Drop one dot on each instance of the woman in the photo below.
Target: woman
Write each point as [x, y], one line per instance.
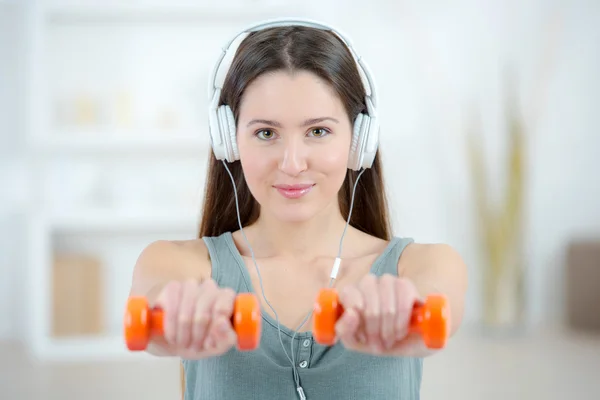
[293, 128]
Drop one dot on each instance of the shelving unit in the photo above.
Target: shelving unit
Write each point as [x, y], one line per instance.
[99, 143]
[117, 94]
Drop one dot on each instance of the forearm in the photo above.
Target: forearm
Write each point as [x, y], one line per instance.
[159, 264]
[438, 269]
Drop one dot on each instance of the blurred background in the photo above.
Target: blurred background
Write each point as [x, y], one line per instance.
[489, 114]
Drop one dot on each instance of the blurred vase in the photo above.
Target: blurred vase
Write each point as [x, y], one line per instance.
[503, 292]
[500, 222]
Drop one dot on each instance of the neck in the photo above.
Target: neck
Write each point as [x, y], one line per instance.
[318, 237]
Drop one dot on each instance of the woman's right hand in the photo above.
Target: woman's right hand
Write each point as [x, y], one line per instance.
[197, 318]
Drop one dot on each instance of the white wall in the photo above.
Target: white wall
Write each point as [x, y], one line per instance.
[439, 60]
[12, 233]
[432, 60]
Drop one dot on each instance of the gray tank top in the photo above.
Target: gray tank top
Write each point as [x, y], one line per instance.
[326, 372]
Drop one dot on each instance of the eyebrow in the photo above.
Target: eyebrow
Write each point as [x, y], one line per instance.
[307, 122]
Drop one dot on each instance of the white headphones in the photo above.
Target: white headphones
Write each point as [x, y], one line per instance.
[222, 124]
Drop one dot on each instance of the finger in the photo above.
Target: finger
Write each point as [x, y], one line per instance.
[387, 299]
[221, 308]
[406, 295]
[186, 313]
[371, 313]
[351, 297]
[221, 336]
[346, 329]
[203, 313]
[348, 323]
[168, 301]
[224, 303]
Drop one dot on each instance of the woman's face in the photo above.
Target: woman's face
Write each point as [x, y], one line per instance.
[294, 136]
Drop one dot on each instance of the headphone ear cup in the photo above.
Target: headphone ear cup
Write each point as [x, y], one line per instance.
[216, 133]
[370, 143]
[227, 129]
[232, 134]
[360, 130]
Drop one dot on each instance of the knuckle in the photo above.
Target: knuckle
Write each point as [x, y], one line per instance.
[184, 320]
[389, 312]
[367, 282]
[348, 294]
[209, 284]
[228, 293]
[345, 295]
[201, 318]
[372, 313]
[403, 283]
[222, 306]
[404, 304]
[172, 287]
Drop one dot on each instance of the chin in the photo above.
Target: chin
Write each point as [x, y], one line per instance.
[295, 213]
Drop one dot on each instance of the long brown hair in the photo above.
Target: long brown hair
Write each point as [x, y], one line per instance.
[293, 49]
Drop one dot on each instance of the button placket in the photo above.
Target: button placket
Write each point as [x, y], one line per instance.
[304, 353]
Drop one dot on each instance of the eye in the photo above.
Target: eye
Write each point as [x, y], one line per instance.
[265, 134]
[319, 132]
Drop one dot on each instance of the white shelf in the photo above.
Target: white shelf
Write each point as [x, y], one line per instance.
[196, 11]
[110, 221]
[88, 349]
[89, 144]
[47, 144]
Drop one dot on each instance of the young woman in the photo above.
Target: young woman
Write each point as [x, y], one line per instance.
[295, 164]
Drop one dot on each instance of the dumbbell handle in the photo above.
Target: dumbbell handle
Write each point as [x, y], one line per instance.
[156, 324]
[417, 318]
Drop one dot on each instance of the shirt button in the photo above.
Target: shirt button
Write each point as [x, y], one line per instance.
[303, 364]
[306, 343]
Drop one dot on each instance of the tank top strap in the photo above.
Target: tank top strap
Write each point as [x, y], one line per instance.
[227, 269]
[387, 262]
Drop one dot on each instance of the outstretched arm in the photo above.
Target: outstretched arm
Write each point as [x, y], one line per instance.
[434, 269]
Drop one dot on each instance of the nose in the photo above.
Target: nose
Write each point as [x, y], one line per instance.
[293, 160]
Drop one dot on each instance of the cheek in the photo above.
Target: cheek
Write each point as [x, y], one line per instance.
[333, 161]
[256, 169]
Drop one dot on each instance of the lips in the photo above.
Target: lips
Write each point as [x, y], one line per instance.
[294, 191]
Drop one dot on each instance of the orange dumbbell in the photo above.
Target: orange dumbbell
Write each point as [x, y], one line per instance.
[430, 319]
[142, 322]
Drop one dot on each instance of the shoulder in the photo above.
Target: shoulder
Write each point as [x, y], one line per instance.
[165, 260]
[180, 249]
[419, 256]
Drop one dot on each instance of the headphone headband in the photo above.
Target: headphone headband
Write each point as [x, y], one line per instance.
[365, 139]
[219, 72]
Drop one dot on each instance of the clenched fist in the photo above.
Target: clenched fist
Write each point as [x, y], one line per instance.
[197, 318]
[377, 313]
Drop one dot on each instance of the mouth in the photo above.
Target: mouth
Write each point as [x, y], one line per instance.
[294, 191]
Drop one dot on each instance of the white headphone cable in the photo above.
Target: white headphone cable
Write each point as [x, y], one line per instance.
[332, 277]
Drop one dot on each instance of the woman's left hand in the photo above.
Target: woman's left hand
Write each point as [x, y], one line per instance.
[377, 313]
